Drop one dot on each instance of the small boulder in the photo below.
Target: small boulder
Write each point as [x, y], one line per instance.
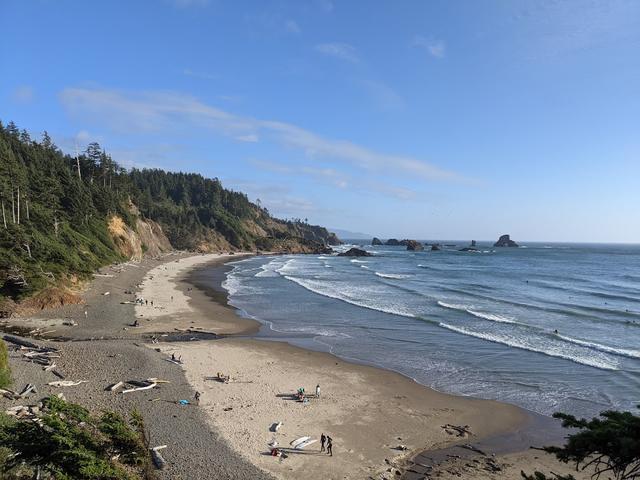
[355, 252]
[505, 241]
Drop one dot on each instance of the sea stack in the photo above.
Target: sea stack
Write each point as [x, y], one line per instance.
[505, 241]
[376, 241]
[355, 252]
[414, 245]
[393, 242]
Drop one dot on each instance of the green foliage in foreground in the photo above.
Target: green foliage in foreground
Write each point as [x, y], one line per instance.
[5, 372]
[70, 443]
[609, 444]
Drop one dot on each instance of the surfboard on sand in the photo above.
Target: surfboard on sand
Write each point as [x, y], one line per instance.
[298, 441]
[302, 445]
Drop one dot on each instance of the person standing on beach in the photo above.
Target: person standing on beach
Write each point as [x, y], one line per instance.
[197, 397]
[317, 391]
[322, 440]
[329, 446]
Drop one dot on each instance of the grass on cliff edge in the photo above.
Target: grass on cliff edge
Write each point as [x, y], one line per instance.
[5, 371]
[70, 443]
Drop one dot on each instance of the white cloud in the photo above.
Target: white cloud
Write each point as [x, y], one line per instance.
[384, 96]
[277, 198]
[23, 94]
[340, 180]
[343, 51]
[292, 26]
[435, 48]
[163, 111]
[251, 138]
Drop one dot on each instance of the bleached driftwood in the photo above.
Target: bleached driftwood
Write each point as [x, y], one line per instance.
[115, 386]
[158, 459]
[66, 383]
[27, 390]
[10, 394]
[139, 389]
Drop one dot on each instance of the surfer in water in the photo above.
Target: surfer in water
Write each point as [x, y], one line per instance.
[322, 440]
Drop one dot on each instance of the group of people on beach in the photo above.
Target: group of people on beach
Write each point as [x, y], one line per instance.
[326, 439]
[301, 396]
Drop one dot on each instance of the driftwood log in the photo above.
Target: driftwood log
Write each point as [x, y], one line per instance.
[158, 459]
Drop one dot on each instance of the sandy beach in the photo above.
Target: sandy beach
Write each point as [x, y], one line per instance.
[368, 412]
[378, 419]
[172, 304]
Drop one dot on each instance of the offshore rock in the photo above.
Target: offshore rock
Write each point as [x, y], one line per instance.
[376, 241]
[505, 241]
[413, 245]
[355, 252]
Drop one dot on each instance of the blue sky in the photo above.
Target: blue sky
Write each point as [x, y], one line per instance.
[420, 119]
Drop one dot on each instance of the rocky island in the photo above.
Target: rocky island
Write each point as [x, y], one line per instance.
[505, 241]
[413, 245]
[376, 241]
[355, 252]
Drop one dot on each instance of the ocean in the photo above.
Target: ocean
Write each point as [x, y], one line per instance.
[549, 327]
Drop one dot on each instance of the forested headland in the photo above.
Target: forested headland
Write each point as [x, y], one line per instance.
[62, 216]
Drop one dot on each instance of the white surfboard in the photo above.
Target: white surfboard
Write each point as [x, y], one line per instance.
[298, 441]
[305, 444]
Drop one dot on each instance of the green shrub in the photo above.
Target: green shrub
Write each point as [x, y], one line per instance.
[70, 443]
[5, 371]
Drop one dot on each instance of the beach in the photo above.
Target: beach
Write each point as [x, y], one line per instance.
[378, 419]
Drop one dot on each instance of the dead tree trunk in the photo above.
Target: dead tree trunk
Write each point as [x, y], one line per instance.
[78, 164]
[4, 218]
[13, 206]
[18, 204]
[26, 201]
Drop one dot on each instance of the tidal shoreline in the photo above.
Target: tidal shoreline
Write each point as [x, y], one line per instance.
[368, 411]
[506, 433]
